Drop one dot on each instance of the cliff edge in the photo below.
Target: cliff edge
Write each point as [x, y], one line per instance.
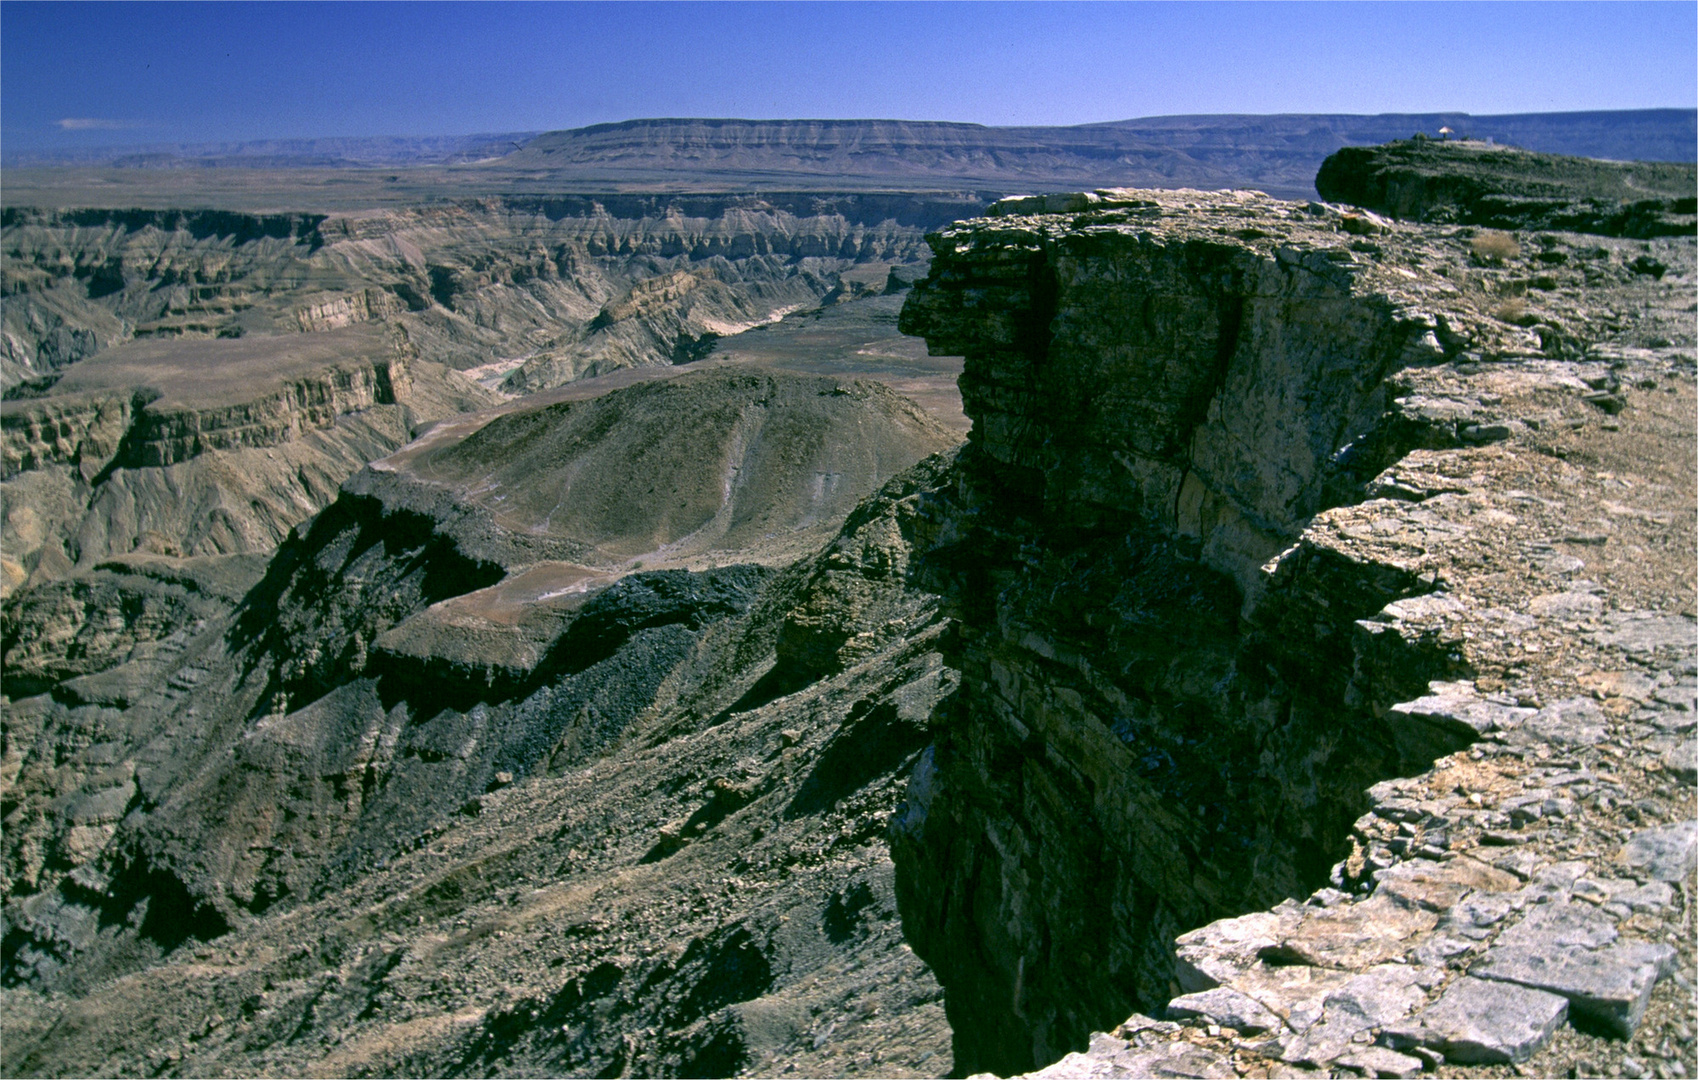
[1323, 593]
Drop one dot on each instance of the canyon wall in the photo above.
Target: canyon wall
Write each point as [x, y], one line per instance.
[205, 447]
[1189, 579]
[563, 283]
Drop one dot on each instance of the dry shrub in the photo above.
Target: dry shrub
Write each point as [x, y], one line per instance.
[1496, 246]
[1511, 310]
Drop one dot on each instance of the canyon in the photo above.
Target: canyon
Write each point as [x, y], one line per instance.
[1110, 632]
[356, 332]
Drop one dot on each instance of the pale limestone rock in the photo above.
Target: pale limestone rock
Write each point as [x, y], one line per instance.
[1611, 986]
[1480, 1022]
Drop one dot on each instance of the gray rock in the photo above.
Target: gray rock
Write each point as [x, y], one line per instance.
[1644, 635]
[1109, 1056]
[1566, 605]
[1224, 949]
[1666, 854]
[1681, 762]
[1481, 1022]
[1378, 1061]
[1552, 927]
[1373, 999]
[1521, 863]
[1653, 897]
[1226, 1007]
[1682, 697]
[1457, 708]
[1474, 917]
[1553, 883]
[1609, 986]
[1571, 722]
[1440, 948]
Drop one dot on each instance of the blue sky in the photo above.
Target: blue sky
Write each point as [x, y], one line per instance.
[78, 74]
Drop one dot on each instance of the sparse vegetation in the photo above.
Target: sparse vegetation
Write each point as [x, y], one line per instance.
[1494, 246]
[1512, 310]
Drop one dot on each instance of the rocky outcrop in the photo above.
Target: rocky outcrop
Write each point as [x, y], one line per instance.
[1502, 187]
[1212, 554]
[98, 430]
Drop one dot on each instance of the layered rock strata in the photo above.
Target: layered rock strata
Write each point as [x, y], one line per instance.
[1266, 506]
[569, 286]
[205, 447]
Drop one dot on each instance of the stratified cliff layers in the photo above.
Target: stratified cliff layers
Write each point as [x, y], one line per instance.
[558, 287]
[1301, 649]
[197, 382]
[1266, 505]
[205, 447]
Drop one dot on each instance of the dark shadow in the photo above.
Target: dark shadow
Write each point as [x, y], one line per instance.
[843, 912]
[867, 746]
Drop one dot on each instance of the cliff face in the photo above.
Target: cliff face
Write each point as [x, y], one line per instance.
[205, 447]
[106, 431]
[1185, 602]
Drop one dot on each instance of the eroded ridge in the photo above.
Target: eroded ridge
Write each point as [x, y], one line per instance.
[1285, 554]
[418, 794]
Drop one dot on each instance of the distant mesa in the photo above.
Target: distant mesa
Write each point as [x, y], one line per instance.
[1277, 154]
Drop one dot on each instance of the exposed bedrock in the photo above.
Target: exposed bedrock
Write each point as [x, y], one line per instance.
[1501, 187]
[664, 783]
[205, 448]
[1172, 696]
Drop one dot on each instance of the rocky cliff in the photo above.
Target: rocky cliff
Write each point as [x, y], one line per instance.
[205, 447]
[1504, 187]
[1301, 649]
[1246, 479]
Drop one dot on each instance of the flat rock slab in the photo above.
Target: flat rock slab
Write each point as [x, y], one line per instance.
[1553, 927]
[1226, 1007]
[1457, 708]
[1610, 987]
[1352, 937]
[1666, 854]
[1439, 887]
[1378, 1061]
[1570, 722]
[1113, 1057]
[1478, 1022]
[1646, 635]
[1373, 999]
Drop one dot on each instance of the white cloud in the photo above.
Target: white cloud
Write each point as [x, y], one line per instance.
[88, 123]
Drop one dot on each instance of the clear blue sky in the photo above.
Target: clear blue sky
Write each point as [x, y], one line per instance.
[83, 73]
